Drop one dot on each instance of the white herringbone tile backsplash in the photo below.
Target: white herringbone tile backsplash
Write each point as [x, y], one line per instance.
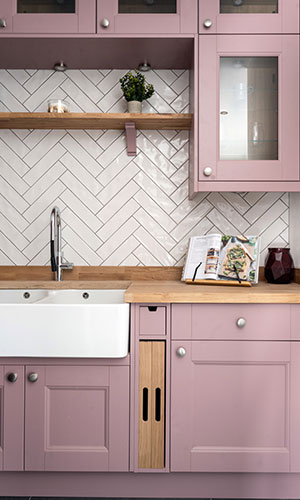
[116, 210]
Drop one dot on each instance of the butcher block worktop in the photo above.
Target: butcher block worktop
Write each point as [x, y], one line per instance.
[174, 291]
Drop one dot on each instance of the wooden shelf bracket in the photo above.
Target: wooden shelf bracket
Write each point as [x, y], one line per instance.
[130, 132]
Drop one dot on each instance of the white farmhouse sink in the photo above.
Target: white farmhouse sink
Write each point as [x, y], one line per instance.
[64, 323]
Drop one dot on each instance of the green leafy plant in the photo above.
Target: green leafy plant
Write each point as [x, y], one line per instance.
[135, 87]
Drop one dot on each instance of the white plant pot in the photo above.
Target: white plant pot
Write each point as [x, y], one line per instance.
[134, 107]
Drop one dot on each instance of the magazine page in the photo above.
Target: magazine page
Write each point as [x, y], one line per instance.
[239, 258]
[202, 259]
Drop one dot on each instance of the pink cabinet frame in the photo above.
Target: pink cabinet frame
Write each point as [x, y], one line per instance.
[286, 168]
[185, 21]
[234, 407]
[83, 21]
[286, 21]
[12, 419]
[65, 399]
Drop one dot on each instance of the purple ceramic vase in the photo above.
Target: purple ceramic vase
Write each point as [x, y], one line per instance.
[279, 266]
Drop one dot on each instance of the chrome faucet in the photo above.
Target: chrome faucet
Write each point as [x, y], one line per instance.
[57, 257]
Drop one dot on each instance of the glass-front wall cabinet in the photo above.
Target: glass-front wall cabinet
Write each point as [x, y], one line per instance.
[48, 16]
[249, 108]
[248, 16]
[147, 16]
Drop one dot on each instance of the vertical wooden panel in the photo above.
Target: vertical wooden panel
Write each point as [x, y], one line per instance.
[152, 426]
[145, 425]
[158, 425]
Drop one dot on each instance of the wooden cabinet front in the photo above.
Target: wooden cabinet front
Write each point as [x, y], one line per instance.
[139, 16]
[77, 418]
[234, 406]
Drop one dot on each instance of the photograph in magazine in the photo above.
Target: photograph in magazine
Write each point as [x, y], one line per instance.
[222, 257]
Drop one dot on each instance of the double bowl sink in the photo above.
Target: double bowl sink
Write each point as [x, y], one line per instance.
[64, 323]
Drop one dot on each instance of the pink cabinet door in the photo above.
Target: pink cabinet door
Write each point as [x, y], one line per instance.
[249, 109]
[79, 17]
[11, 418]
[77, 418]
[230, 407]
[249, 16]
[5, 16]
[162, 16]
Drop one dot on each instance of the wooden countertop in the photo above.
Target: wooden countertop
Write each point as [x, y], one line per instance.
[174, 291]
[178, 292]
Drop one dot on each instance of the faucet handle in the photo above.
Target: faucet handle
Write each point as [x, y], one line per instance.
[66, 265]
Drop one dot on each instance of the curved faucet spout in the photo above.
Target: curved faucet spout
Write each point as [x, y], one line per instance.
[56, 255]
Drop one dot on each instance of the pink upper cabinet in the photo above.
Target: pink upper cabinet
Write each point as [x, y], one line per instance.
[49, 16]
[248, 16]
[248, 110]
[146, 16]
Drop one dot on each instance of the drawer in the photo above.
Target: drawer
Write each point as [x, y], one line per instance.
[153, 320]
[231, 321]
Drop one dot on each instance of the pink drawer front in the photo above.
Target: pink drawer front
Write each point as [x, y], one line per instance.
[231, 321]
[152, 320]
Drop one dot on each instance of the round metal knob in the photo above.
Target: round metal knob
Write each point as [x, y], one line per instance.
[3, 23]
[207, 23]
[207, 171]
[105, 22]
[241, 322]
[181, 352]
[12, 377]
[32, 377]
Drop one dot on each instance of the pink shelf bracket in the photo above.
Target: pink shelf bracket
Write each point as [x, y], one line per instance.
[130, 131]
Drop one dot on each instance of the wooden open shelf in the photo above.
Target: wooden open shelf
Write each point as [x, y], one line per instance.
[90, 121]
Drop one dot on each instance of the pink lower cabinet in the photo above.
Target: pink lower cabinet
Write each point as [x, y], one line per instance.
[235, 406]
[11, 418]
[77, 418]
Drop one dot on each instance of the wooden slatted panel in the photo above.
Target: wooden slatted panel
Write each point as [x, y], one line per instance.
[151, 451]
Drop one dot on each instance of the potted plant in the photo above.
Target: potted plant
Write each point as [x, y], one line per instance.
[135, 90]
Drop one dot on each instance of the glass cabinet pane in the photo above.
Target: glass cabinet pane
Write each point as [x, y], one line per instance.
[248, 108]
[147, 6]
[46, 7]
[248, 6]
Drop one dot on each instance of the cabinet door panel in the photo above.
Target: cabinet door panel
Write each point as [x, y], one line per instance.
[183, 21]
[246, 82]
[11, 419]
[6, 16]
[251, 16]
[77, 419]
[82, 21]
[230, 407]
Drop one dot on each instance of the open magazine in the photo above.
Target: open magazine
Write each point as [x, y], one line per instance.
[220, 257]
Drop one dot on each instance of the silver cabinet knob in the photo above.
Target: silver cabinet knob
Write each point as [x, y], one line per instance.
[105, 22]
[181, 352]
[207, 171]
[12, 377]
[207, 23]
[3, 23]
[32, 377]
[241, 322]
